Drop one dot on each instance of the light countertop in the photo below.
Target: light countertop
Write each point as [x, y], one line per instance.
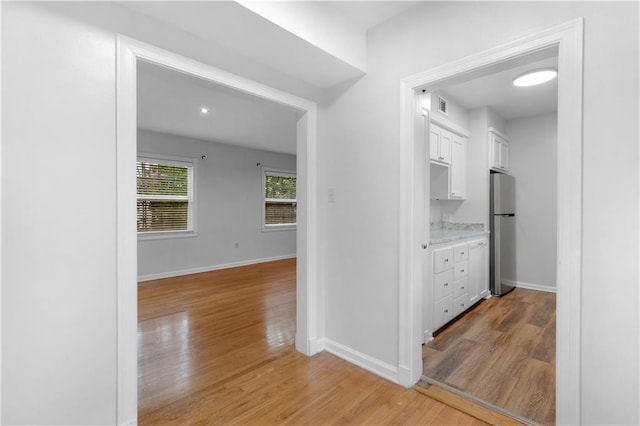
[447, 235]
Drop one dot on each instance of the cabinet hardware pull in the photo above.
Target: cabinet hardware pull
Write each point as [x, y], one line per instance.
[446, 284]
[446, 310]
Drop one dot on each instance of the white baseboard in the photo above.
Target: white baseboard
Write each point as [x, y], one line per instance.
[377, 367]
[531, 286]
[178, 273]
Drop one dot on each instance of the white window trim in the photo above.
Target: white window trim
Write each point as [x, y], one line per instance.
[280, 172]
[178, 161]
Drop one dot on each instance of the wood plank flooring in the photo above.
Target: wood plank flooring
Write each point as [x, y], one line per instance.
[217, 348]
[502, 352]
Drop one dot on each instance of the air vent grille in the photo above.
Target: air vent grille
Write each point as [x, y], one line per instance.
[442, 105]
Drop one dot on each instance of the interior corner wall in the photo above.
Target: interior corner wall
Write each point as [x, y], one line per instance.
[359, 157]
[495, 120]
[533, 162]
[229, 209]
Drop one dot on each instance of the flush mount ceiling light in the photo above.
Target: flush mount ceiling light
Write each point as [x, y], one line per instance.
[204, 110]
[535, 77]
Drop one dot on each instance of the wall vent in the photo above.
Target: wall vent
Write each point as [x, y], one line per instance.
[442, 105]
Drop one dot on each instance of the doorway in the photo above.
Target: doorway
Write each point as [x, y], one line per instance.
[216, 183]
[130, 51]
[414, 184]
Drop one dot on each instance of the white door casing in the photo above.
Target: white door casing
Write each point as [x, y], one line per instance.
[129, 51]
[568, 37]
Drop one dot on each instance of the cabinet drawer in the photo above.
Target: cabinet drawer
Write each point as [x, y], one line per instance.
[442, 260]
[460, 304]
[442, 312]
[460, 287]
[460, 270]
[460, 253]
[442, 284]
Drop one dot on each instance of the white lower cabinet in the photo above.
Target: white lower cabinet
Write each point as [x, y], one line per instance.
[460, 304]
[479, 267]
[443, 311]
[459, 278]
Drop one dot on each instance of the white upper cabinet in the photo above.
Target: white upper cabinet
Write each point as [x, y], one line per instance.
[448, 155]
[458, 168]
[439, 144]
[498, 151]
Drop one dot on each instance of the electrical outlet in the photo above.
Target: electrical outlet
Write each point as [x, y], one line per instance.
[237, 245]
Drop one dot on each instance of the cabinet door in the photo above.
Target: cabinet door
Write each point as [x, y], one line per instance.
[504, 155]
[460, 304]
[495, 152]
[442, 284]
[460, 271]
[434, 142]
[478, 279]
[442, 259]
[458, 169]
[460, 287]
[442, 312]
[460, 253]
[483, 268]
[445, 146]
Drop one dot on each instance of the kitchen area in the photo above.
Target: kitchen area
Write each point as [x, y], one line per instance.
[489, 295]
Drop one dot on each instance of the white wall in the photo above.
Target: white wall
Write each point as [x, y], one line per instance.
[359, 157]
[229, 209]
[455, 112]
[58, 220]
[59, 274]
[533, 159]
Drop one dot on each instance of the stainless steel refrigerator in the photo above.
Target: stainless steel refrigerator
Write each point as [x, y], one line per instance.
[502, 217]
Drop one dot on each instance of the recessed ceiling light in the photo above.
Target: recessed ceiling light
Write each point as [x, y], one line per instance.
[204, 110]
[535, 77]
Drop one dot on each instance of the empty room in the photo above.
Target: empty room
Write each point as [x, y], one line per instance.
[231, 213]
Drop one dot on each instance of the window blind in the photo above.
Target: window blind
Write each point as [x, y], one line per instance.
[165, 195]
[279, 199]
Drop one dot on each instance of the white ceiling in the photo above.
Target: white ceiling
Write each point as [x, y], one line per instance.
[235, 28]
[170, 102]
[497, 91]
[369, 14]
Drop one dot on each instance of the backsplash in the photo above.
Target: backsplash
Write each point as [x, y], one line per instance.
[456, 226]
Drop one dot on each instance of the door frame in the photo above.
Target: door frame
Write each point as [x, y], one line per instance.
[129, 51]
[568, 37]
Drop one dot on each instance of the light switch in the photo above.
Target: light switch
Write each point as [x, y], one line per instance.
[332, 195]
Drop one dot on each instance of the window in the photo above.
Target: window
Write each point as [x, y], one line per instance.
[279, 200]
[165, 195]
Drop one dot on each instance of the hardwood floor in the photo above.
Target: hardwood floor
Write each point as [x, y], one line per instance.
[217, 348]
[502, 352]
